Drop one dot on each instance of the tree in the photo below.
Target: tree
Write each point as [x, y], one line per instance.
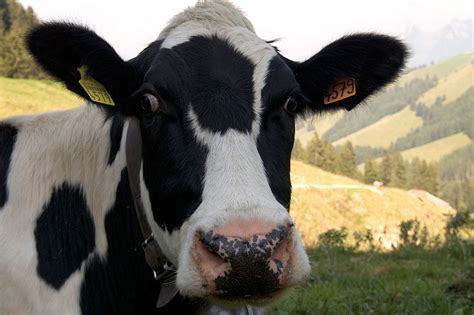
[385, 169]
[298, 151]
[347, 161]
[313, 150]
[370, 171]
[414, 178]
[330, 158]
[398, 176]
[15, 60]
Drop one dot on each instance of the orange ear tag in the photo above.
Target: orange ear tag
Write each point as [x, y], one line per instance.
[340, 90]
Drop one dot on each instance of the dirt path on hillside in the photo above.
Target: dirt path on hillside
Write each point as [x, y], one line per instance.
[337, 186]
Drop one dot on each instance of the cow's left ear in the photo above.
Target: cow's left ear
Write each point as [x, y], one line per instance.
[85, 62]
[348, 70]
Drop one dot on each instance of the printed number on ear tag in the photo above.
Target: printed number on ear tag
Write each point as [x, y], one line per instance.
[96, 91]
[340, 90]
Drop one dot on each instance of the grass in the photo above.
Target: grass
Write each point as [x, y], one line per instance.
[20, 96]
[435, 150]
[410, 280]
[451, 87]
[385, 131]
[440, 69]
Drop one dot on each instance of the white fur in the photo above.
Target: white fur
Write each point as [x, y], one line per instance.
[64, 146]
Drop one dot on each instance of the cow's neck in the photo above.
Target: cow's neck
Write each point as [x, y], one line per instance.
[116, 277]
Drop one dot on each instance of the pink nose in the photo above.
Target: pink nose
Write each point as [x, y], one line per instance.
[244, 260]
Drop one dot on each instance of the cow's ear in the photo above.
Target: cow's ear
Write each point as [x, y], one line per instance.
[348, 70]
[85, 62]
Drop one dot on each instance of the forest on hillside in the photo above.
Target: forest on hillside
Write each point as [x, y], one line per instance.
[15, 60]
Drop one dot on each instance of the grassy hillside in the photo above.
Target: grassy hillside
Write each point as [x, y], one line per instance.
[385, 131]
[435, 150]
[20, 96]
[316, 210]
[450, 87]
[440, 69]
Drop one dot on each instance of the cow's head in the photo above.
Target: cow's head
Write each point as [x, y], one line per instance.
[217, 106]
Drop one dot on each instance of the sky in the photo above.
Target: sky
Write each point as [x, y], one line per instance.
[304, 27]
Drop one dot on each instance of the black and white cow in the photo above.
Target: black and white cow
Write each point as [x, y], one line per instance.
[217, 108]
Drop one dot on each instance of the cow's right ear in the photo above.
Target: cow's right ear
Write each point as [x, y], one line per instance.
[85, 62]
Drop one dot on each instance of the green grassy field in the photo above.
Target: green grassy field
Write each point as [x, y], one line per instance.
[411, 280]
[385, 131]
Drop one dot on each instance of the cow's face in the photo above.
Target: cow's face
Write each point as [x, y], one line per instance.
[217, 168]
[218, 129]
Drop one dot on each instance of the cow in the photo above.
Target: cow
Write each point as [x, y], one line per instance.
[205, 115]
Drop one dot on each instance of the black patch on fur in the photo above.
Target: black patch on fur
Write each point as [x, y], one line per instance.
[173, 170]
[7, 142]
[116, 131]
[64, 235]
[277, 129]
[214, 78]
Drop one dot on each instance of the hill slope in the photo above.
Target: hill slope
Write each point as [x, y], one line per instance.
[315, 209]
[20, 96]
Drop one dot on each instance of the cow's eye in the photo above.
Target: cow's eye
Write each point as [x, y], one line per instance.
[291, 105]
[150, 103]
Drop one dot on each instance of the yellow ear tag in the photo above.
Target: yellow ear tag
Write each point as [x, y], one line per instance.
[340, 90]
[96, 91]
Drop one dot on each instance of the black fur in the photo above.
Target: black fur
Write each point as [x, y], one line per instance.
[373, 60]
[64, 235]
[60, 48]
[277, 129]
[116, 130]
[219, 84]
[170, 149]
[7, 142]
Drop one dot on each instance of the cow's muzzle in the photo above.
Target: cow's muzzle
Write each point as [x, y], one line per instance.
[244, 262]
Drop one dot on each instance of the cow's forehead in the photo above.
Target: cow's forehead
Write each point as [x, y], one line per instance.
[217, 72]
